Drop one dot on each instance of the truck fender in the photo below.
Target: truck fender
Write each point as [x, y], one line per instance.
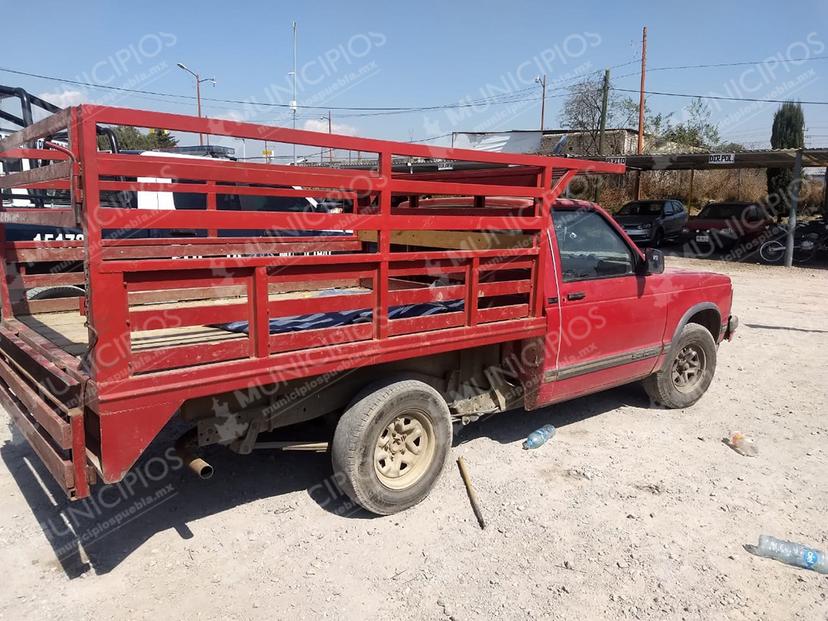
[685, 319]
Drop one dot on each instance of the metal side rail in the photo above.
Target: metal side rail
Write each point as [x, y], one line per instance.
[43, 401]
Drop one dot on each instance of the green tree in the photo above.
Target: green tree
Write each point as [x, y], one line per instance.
[697, 130]
[788, 132]
[133, 139]
[655, 125]
[160, 139]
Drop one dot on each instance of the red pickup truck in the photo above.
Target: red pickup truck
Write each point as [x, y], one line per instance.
[433, 298]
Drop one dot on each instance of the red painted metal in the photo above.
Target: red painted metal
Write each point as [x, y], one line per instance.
[132, 394]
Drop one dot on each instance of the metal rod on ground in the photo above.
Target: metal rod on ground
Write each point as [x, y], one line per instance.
[795, 184]
[475, 503]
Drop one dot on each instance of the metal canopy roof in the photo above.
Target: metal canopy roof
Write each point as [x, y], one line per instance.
[779, 158]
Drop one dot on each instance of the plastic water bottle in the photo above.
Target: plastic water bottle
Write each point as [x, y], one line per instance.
[792, 553]
[539, 437]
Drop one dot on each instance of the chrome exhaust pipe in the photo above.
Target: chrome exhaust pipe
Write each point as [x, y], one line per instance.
[185, 448]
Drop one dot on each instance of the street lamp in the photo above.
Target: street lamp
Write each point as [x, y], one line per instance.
[330, 131]
[542, 81]
[198, 80]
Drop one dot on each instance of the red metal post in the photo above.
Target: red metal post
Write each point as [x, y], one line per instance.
[383, 245]
[258, 323]
[107, 309]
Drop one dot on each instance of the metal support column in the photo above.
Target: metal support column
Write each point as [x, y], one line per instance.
[796, 183]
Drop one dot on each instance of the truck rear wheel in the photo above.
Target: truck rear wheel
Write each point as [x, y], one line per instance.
[391, 445]
[687, 373]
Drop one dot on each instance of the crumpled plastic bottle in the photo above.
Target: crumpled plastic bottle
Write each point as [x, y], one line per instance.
[539, 437]
[743, 445]
[792, 553]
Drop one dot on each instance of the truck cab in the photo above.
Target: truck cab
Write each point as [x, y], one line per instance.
[617, 313]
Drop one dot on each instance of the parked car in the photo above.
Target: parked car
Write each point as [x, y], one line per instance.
[723, 226]
[652, 221]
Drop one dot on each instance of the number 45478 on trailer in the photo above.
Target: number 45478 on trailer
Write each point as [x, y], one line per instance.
[426, 299]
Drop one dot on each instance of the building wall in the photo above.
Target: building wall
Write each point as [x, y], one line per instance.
[616, 142]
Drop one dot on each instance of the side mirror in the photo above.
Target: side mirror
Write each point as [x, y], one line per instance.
[653, 261]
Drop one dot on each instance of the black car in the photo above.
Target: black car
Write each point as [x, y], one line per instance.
[652, 221]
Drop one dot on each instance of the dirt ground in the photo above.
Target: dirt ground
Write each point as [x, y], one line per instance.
[629, 512]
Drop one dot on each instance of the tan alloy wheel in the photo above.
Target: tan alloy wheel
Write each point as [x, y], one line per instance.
[688, 368]
[404, 450]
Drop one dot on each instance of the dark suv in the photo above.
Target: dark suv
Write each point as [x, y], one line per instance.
[652, 221]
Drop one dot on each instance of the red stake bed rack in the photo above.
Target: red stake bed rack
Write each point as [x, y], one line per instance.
[90, 380]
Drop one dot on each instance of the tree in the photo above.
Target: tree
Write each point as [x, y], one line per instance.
[160, 139]
[132, 139]
[788, 132]
[582, 112]
[655, 125]
[697, 130]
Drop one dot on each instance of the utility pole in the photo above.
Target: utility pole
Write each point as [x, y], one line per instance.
[604, 100]
[603, 126]
[641, 106]
[542, 81]
[293, 104]
[641, 102]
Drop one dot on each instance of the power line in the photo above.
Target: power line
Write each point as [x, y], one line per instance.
[430, 138]
[738, 64]
[717, 97]
[503, 99]
[715, 65]
[267, 104]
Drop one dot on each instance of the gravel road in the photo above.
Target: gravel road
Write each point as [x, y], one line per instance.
[629, 512]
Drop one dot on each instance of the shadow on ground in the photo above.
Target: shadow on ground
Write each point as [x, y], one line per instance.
[100, 532]
[514, 426]
[759, 326]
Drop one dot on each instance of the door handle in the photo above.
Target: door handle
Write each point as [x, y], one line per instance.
[578, 295]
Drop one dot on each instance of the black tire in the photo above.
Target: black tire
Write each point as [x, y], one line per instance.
[666, 386]
[356, 451]
[772, 251]
[658, 238]
[53, 293]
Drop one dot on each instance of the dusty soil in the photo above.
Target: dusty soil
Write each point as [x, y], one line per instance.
[631, 511]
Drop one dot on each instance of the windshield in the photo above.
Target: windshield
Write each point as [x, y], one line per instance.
[722, 211]
[643, 208]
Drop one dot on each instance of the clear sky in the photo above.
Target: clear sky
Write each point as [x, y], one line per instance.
[417, 54]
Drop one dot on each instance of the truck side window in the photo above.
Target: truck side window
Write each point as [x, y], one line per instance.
[589, 247]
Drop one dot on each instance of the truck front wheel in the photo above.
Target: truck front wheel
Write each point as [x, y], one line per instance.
[688, 370]
[391, 445]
